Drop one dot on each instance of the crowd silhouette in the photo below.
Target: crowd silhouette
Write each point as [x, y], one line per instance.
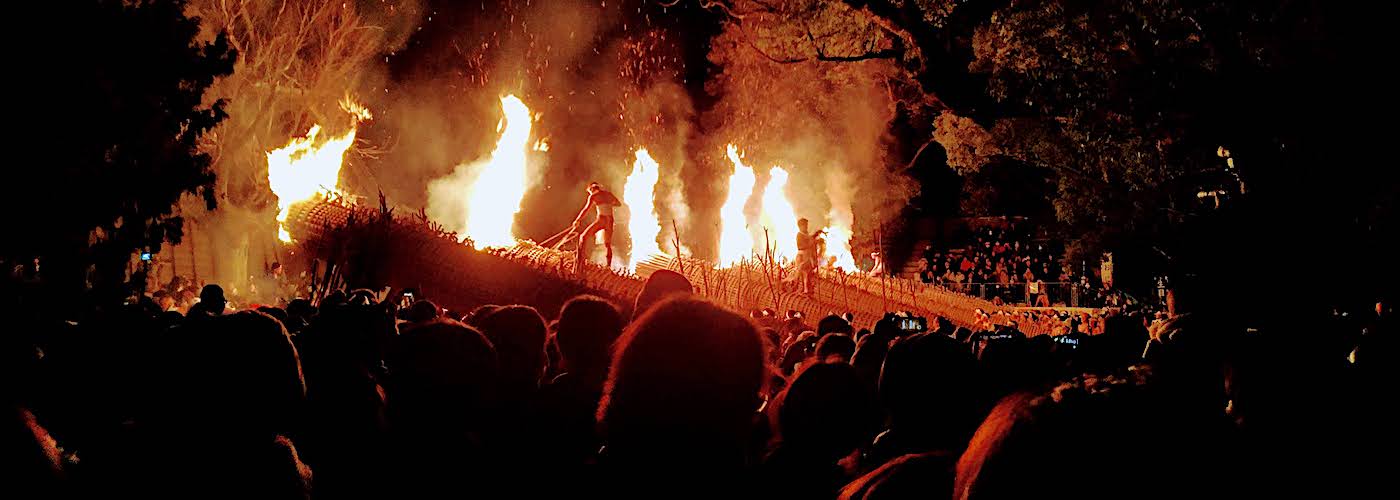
[355, 397]
[1007, 264]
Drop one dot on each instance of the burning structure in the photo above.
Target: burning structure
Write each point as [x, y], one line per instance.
[527, 272]
[628, 123]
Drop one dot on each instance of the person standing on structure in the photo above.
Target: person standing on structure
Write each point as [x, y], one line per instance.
[603, 202]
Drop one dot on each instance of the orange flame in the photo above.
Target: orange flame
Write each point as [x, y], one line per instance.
[838, 241]
[735, 241]
[778, 215]
[840, 220]
[638, 193]
[494, 199]
[304, 170]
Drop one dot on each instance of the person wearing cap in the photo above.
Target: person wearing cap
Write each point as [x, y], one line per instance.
[211, 302]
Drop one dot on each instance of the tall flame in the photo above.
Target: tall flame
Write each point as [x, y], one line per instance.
[838, 241]
[304, 170]
[840, 220]
[494, 199]
[638, 193]
[778, 216]
[735, 241]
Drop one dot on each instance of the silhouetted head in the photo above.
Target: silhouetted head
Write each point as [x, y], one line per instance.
[802, 225]
[801, 349]
[834, 324]
[594, 187]
[361, 297]
[212, 298]
[442, 373]
[335, 298]
[518, 333]
[660, 285]
[479, 314]
[887, 328]
[237, 374]
[836, 348]
[869, 357]
[423, 310]
[826, 411]
[301, 308]
[587, 328]
[684, 385]
[276, 313]
[1191, 353]
[1138, 446]
[927, 384]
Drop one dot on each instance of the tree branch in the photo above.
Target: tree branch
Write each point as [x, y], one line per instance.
[749, 40]
[879, 54]
[915, 158]
[720, 5]
[937, 54]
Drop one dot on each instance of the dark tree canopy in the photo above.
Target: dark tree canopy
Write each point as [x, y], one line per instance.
[116, 104]
[1142, 115]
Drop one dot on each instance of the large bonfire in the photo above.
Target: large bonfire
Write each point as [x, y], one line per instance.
[779, 220]
[735, 240]
[308, 167]
[639, 195]
[494, 199]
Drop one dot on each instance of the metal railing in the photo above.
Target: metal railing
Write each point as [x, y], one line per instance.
[1039, 294]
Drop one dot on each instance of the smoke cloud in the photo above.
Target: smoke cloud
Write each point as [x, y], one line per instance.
[600, 79]
[827, 123]
[604, 79]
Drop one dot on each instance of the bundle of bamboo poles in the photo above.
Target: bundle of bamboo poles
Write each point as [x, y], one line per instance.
[753, 284]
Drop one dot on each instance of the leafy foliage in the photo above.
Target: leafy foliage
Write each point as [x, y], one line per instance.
[1129, 106]
[125, 114]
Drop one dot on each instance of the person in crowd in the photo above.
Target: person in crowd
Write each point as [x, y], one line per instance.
[681, 399]
[835, 348]
[211, 302]
[869, 356]
[442, 390]
[479, 314]
[587, 328]
[341, 399]
[518, 334]
[801, 350]
[1085, 439]
[930, 388]
[834, 324]
[823, 416]
[422, 311]
[227, 398]
[343, 350]
[660, 285]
